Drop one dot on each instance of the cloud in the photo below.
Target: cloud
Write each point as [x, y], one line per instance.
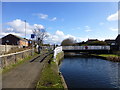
[38, 26]
[114, 29]
[5, 33]
[114, 17]
[17, 27]
[45, 17]
[53, 19]
[59, 36]
[88, 29]
[42, 16]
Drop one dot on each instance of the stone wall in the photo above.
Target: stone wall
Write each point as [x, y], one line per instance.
[9, 59]
[6, 48]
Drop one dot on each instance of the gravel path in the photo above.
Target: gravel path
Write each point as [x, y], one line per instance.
[25, 75]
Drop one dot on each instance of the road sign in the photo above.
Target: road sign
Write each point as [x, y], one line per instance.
[32, 35]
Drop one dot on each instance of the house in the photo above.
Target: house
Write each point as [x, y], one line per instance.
[91, 40]
[110, 41]
[11, 39]
[80, 43]
[0, 41]
[118, 41]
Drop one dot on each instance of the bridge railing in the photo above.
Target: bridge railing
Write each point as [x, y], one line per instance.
[57, 50]
[85, 47]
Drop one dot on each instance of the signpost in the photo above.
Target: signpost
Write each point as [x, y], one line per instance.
[32, 36]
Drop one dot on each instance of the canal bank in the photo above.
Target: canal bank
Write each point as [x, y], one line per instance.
[59, 57]
[51, 76]
[110, 57]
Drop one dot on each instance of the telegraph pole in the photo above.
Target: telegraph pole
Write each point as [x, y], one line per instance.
[25, 31]
[25, 28]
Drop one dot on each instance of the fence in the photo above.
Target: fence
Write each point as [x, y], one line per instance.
[86, 47]
[6, 60]
[6, 48]
[48, 47]
[57, 50]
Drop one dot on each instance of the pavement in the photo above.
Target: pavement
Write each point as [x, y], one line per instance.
[25, 75]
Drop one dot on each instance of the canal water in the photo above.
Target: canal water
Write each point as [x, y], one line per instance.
[90, 72]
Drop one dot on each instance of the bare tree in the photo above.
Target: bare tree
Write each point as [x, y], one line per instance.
[40, 34]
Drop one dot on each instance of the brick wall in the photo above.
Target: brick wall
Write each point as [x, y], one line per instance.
[23, 43]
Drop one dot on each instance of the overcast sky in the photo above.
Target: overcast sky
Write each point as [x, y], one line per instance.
[80, 20]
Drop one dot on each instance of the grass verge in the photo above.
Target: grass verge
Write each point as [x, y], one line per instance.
[108, 55]
[50, 77]
[111, 57]
[6, 69]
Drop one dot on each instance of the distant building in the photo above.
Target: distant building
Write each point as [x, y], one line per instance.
[91, 40]
[80, 43]
[0, 41]
[11, 39]
[118, 41]
[110, 41]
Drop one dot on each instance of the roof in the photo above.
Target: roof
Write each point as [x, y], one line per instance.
[15, 36]
[111, 40]
[118, 38]
[93, 40]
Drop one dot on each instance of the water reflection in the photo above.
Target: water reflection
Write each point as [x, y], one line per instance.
[89, 72]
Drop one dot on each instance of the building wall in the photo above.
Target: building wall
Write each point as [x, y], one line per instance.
[23, 43]
[118, 40]
[10, 40]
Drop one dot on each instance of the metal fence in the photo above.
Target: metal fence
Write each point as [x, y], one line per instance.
[86, 47]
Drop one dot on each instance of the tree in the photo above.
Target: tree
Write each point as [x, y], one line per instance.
[68, 42]
[40, 34]
[97, 43]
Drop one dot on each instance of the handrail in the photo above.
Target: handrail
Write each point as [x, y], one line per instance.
[86, 47]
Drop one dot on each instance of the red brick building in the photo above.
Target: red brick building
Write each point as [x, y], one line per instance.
[11, 39]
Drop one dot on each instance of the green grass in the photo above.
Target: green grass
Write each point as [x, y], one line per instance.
[6, 69]
[108, 55]
[50, 77]
[59, 57]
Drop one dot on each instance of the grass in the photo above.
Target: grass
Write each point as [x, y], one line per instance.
[108, 55]
[6, 69]
[50, 77]
[111, 57]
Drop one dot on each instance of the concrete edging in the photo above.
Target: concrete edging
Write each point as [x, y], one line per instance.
[62, 78]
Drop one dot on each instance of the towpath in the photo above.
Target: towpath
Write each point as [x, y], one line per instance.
[25, 75]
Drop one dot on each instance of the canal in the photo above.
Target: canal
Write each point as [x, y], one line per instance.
[90, 72]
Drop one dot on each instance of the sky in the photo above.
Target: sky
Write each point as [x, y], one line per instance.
[79, 20]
